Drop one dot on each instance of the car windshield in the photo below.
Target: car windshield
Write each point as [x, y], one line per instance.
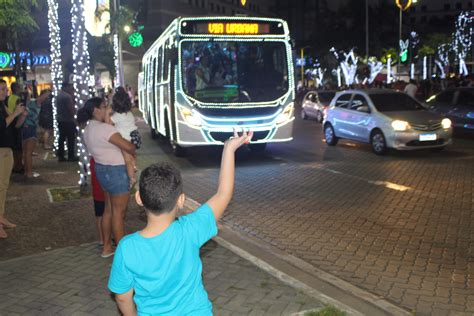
[394, 102]
[232, 71]
[326, 97]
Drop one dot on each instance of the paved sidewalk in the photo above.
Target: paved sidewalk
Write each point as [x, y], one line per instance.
[72, 281]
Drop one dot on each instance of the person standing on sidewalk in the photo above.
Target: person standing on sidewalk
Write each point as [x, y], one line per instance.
[66, 124]
[159, 268]
[105, 144]
[13, 100]
[6, 154]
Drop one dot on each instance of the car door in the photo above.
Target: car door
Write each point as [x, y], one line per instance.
[462, 113]
[340, 115]
[309, 103]
[359, 118]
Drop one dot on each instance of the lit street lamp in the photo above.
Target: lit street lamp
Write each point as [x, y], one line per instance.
[127, 28]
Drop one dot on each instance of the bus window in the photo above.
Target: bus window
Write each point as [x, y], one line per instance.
[165, 63]
[159, 74]
[234, 71]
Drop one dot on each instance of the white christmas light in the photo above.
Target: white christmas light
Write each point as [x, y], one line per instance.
[80, 55]
[375, 68]
[425, 72]
[117, 60]
[348, 65]
[389, 70]
[462, 40]
[56, 69]
[412, 71]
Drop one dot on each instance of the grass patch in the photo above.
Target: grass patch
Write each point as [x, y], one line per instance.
[328, 310]
[66, 194]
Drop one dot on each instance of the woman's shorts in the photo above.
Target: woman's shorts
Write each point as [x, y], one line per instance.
[28, 132]
[113, 179]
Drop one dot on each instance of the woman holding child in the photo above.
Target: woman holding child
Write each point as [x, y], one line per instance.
[106, 144]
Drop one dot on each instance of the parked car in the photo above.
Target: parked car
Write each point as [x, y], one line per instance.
[457, 104]
[385, 119]
[314, 103]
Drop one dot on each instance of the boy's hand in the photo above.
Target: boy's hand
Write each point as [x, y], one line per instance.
[236, 141]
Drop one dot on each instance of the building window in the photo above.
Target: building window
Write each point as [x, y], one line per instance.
[447, 6]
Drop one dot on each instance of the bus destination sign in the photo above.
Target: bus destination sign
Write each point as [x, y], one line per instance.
[216, 27]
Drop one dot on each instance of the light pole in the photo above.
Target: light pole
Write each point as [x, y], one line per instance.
[302, 63]
[119, 79]
[403, 7]
[367, 28]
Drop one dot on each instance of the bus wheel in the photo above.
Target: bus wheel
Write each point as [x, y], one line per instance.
[153, 133]
[258, 148]
[178, 151]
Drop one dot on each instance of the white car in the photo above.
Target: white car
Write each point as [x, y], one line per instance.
[385, 119]
[314, 104]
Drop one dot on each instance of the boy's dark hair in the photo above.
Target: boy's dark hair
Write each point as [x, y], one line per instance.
[121, 101]
[160, 186]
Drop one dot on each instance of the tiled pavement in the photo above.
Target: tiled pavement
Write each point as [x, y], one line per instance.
[72, 281]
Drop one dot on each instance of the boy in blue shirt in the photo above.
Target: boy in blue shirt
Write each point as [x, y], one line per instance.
[157, 271]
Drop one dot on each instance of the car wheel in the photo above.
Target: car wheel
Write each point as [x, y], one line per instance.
[304, 116]
[377, 140]
[329, 135]
[319, 116]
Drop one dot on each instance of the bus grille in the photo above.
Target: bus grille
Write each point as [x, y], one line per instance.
[223, 136]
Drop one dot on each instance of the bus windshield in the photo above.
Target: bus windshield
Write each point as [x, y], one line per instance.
[233, 71]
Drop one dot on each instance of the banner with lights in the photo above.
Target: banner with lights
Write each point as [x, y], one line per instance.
[231, 27]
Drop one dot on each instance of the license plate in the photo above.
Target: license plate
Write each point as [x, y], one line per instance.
[427, 137]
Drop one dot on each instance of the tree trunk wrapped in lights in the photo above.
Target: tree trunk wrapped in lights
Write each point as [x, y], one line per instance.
[56, 69]
[81, 78]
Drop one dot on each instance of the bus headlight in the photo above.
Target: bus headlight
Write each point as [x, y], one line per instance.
[190, 117]
[400, 126]
[285, 115]
[446, 123]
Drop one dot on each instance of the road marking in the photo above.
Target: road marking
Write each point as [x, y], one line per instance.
[391, 185]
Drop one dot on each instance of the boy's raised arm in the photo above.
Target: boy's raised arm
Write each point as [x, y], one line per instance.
[225, 189]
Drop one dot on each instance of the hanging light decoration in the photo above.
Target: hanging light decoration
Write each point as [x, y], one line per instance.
[56, 69]
[81, 77]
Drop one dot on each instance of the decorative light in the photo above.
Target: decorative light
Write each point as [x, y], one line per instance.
[116, 60]
[56, 68]
[404, 50]
[425, 72]
[348, 65]
[135, 39]
[375, 68]
[462, 40]
[404, 6]
[389, 70]
[127, 28]
[81, 77]
[412, 71]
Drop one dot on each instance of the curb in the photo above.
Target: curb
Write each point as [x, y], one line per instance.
[299, 274]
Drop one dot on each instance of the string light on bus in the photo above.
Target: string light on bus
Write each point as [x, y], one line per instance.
[56, 69]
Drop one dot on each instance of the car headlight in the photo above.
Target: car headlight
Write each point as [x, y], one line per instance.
[446, 123]
[398, 125]
[190, 117]
[285, 115]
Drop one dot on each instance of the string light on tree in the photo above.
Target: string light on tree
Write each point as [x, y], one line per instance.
[56, 69]
[442, 58]
[462, 39]
[81, 76]
[116, 60]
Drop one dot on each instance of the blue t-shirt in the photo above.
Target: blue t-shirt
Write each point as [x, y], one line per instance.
[165, 271]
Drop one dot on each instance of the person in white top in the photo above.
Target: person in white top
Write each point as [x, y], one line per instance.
[411, 88]
[203, 74]
[124, 121]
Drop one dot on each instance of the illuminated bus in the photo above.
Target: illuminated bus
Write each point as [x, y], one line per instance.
[206, 76]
